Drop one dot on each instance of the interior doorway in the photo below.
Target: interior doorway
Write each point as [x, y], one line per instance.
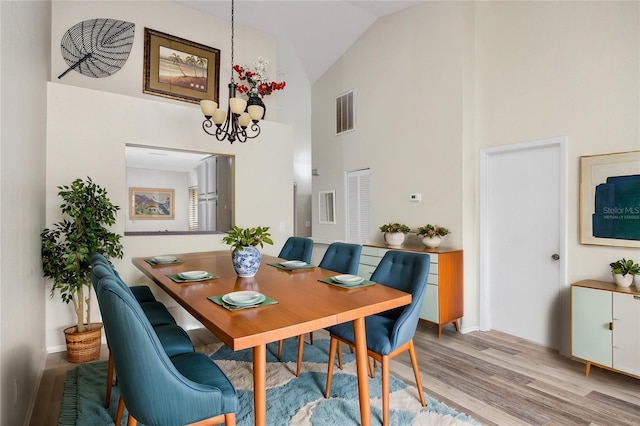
[523, 240]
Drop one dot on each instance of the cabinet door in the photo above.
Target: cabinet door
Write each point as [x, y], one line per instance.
[591, 315]
[626, 333]
[202, 179]
[212, 186]
[429, 310]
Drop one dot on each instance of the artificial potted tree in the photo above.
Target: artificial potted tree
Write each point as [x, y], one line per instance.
[244, 254]
[394, 233]
[432, 235]
[623, 271]
[66, 247]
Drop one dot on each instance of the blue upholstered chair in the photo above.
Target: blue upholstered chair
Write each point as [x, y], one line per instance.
[158, 390]
[173, 338]
[343, 258]
[142, 293]
[391, 332]
[297, 248]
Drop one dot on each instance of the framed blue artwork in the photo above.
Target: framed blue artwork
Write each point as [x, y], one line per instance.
[610, 199]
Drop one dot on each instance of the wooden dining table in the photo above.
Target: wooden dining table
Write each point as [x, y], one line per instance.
[304, 304]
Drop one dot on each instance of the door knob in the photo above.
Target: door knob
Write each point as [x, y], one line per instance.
[555, 256]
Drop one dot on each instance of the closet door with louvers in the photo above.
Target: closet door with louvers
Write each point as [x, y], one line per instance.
[358, 205]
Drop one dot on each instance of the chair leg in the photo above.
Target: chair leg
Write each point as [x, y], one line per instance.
[300, 350]
[280, 350]
[371, 373]
[385, 391]
[416, 372]
[230, 419]
[311, 338]
[339, 355]
[131, 421]
[332, 354]
[119, 411]
[110, 367]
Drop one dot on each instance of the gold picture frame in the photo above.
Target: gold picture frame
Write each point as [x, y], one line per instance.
[180, 69]
[610, 199]
[151, 203]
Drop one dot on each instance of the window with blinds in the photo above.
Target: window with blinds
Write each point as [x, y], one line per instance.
[193, 208]
[358, 205]
[345, 113]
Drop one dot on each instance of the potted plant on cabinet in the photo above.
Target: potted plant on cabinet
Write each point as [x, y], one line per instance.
[394, 233]
[66, 248]
[623, 271]
[432, 235]
[243, 241]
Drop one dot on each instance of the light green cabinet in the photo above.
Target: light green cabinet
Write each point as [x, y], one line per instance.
[605, 326]
[443, 300]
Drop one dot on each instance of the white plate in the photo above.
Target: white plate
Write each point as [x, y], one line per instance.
[165, 259]
[348, 279]
[243, 298]
[293, 264]
[193, 275]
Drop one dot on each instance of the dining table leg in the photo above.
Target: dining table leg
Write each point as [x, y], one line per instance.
[362, 362]
[260, 384]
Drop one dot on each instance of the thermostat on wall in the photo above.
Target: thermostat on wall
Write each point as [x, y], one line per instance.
[415, 197]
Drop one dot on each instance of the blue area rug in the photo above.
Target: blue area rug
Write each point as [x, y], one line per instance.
[290, 400]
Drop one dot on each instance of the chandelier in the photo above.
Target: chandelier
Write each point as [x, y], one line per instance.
[231, 124]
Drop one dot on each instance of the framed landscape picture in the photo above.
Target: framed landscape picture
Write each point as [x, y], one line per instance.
[180, 69]
[151, 203]
[610, 199]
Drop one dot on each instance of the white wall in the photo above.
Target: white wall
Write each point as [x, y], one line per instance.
[24, 60]
[408, 77]
[437, 82]
[80, 142]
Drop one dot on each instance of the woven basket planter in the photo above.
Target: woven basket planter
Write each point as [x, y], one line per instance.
[85, 346]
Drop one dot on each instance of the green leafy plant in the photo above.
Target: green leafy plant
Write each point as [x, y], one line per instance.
[624, 267]
[67, 246]
[432, 231]
[238, 237]
[395, 227]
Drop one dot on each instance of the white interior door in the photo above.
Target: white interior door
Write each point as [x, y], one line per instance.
[523, 192]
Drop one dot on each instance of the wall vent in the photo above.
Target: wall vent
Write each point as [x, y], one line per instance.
[345, 113]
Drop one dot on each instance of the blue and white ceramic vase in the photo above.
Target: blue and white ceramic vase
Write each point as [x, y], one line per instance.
[246, 261]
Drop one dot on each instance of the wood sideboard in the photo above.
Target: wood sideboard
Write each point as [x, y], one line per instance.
[443, 300]
[605, 326]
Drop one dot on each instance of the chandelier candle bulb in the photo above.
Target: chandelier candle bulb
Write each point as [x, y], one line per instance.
[208, 107]
[255, 112]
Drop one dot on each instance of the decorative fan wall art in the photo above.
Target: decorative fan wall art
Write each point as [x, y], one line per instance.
[97, 47]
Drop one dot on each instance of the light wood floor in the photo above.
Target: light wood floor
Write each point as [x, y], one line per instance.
[494, 377]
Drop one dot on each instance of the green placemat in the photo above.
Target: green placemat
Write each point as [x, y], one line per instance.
[284, 268]
[152, 262]
[218, 301]
[364, 283]
[178, 279]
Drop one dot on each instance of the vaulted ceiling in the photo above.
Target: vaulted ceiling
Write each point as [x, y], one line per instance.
[319, 30]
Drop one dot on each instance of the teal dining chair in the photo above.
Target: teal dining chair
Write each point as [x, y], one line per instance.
[391, 332]
[343, 258]
[173, 338]
[156, 389]
[297, 248]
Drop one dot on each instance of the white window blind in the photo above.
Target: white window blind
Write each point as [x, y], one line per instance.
[193, 208]
[358, 205]
[345, 115]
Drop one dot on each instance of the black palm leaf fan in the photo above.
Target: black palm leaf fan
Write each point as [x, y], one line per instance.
[97, 47]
